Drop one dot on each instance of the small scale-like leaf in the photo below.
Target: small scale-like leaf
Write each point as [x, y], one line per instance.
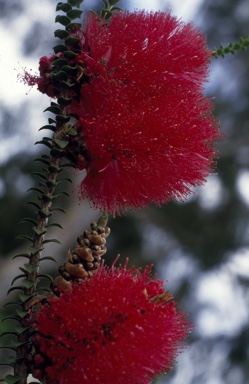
[11, 303]
[70, 70]
[26, 255]
[60, 48]
[8, 333]
[46, 276]
[53, 109]
[58, 209]
[57, 77]
[27, 220]
[65, 85]
[28, 284]
[17, 277]
[24, 237]
[70, 55]
[21, 313]
[44, 214]
[10, 379]
[62, 118]
[55, 225]
[24, 297]
[48, 258]
[39, 231]
[65, 7]
[63, 20]
[30, 267]
[54, 169]
[20, 330]
[61, 143]
[73, 27]
[64, 101]
[44, 142]
[75, 3]
[10, 317]
[60, 62]
[66, 179]
[74, 14]
[14, 288]
[113, 2]
[34, 250]
[51, 241]
[36, 205]
[61, 34]
[51, 121]
[72, 41]
[36, 189]
[106, 13]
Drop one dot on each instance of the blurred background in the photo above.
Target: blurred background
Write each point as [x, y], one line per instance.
[201, 247]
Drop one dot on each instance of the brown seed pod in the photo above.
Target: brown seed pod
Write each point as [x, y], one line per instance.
[76, 270]
[62, 283]
[83, 253]
[97, 239]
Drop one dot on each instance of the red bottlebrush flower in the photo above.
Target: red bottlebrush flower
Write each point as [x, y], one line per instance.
[44, 81]
[146, 126]
[120, 327]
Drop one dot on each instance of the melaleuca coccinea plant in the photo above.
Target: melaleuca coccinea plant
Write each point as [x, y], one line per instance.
[145, 129]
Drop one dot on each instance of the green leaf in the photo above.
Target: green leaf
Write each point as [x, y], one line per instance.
[64, 101]
[17, 277]
[62, 118]
[21, 313]
[44, 214]
[72, 41]
[75, 3]
[66, 85]
[24, 297]
[70, 70]
[58, 209]
[74, 14]
[30, 267]
[26, 255]
[8, 333]
[106, 13]
[113, 2]
[59, 76]
[53, 109]
[51, 241]
[60, 48]
[51, 121]
[10, 317]
[10, 379]
[24, 237]
[36, 205]
[27, 220]
[11, 303]
[73, 26]
[70, 55]
[55, 225]
[64, 20]
[14, 288]
[54, 169]
[65, 7]
[48, 258]
[60, 62]
[39, 174]
[34, 250]
[39, 231]
[61, 143]
[28, 284]
[44, 142]
[39, 190]
[61, 34]
[20, 330]
[46, 276]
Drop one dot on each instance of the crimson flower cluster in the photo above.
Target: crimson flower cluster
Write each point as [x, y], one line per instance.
[147, 130]
[118, 327]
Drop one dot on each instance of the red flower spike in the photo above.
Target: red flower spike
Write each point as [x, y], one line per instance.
[118, 327]
[143, 117]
